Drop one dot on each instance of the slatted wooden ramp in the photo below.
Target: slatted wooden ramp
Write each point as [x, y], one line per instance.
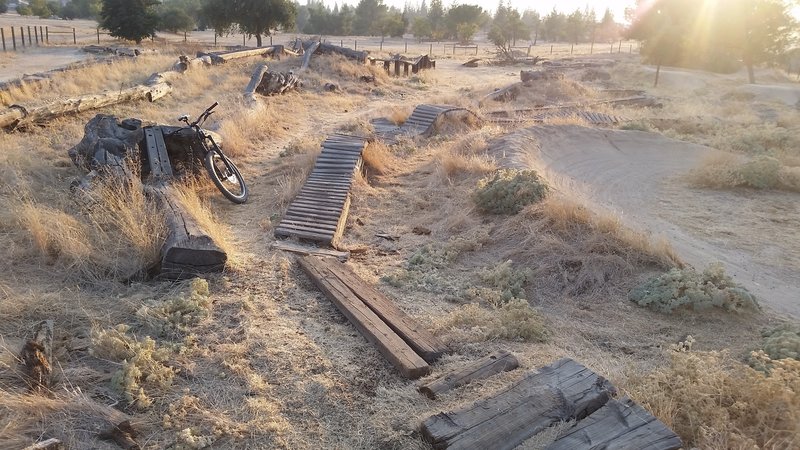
[562, 391]
[593, 118]
[319, 211]
[398, 337]
[421, 122]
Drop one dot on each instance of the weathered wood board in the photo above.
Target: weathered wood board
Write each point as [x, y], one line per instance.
[375, 330]
[493, 364]
[564, 390]
[619, 424]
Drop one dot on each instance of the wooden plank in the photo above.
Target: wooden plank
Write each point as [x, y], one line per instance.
[317, 207]
[307, 250]
[390, 345]
[337, 237]
[564, 390]
[309, 235]
[301, 211]
[619, 424]
[162, 155]
[328, 183]
[312, 228]
[322, 192]
[287, 222]
[495, 363]
[418, 338]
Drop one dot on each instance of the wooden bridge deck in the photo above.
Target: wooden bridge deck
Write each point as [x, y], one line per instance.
[319, 211]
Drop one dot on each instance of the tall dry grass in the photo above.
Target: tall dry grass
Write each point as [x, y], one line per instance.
[722, 171]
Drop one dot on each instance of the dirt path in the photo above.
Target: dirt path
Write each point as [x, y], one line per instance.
[637, 175]
[33, 60]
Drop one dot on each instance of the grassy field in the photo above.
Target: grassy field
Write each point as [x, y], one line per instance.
[256, 357]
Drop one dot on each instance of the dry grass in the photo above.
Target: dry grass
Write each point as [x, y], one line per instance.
[398, 115]
[378, 158]
[715, 402]
[117, 234]
[721, 171]
[239, 127]
[571, 249]
[573, 119]
[465, 157]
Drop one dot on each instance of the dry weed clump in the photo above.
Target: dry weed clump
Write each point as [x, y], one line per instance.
[514, 320]
[179, 312]
[378, 158]
[571, 249]
[505, 282]
[761, 172]
[714, 402]
[782, 342]
[243, 128]
[117, 234]
[398, 114]
[507, 191]
[688, 289]
[143, 364]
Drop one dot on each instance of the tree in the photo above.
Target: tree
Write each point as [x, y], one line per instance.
[3, 6]
[463, 21]
[436, 18]
[368, 14]
[256, 18]
[533, 21]
[392, 24]
[507, 26]
[662, 29]
[421, 28]
[174, 18]
[608, 30]
[765, 30]
[129, 19]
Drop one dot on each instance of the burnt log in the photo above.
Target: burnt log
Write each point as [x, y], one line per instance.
[274, 83]
[108, 144]
[37, 356]
[223, 57]
[188, 250]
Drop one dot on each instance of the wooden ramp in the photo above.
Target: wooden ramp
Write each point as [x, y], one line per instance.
[319, 211]
[399, 338]
[562, 391]
[590, 117]
[421, 122]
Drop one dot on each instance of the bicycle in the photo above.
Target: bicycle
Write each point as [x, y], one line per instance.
[221, 169]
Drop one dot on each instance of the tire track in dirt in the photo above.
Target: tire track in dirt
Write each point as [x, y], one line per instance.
[637, 175]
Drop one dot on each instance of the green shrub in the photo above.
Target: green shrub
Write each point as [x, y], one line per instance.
[506, 284]
[176, 314]
[507, 191]
[635, 126]
[782, 342]
[689, 289]
[762, 172]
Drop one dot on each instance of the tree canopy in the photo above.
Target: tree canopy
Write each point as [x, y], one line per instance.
[716, 36]
[129, 19]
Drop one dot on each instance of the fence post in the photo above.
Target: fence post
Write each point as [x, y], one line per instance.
[98, 35]
[355, 44]
[619, 49]
[47, 33]
[244, 43]
[41, 34]
[215, 38]
[591, 48]
[571, 48]
[381, 47]
[529, 50]
[3, 36]
[13, 39]
[406, 51]
[22, 36]
[612, 48]
[74, 37]
[36, 33]
[270, 39]
[184, 36]
[630, 50]
[430, 50]
[551, 49]
[341, 42]
[476, 49]
[30, 40]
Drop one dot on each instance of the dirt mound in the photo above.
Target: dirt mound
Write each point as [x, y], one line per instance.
[638, 176]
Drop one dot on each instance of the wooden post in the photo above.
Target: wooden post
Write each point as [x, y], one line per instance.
[612, 48]
[3, 36]
[98, 35]
[551, 49]
[41, 34]
[47, 34]
[397, 67]
[341, 42]
[381, 46]
[36, 33]
[355, 44]
[430, 50]
[184, 37]
[529, 50]
[215, 38]
[22, 36]
[244, 43]
[476, 49]
[619, 49]
[74, 37]
[270, 39]
[571, 48]
[30, 39]
[13, 39]
[406, 51]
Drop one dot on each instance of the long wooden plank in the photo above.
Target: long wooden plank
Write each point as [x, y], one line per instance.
[290, 222]
[564, 390]
[390, 345]
[421, 340]
[308, 250]
[619, 424]
[308, 235]
[300, 211]
[498, 362]
[316, 207]
[323, 193]
[322, 231]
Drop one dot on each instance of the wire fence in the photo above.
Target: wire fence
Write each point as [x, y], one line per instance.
[16, 38]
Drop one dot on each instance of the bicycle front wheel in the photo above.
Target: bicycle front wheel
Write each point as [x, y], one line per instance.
[226, 177]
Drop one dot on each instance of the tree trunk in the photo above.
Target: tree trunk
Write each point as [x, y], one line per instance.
[307, 52]
[258, 39]
[255, 80]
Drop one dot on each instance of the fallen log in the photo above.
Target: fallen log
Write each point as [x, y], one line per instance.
[375, 330]
[472, 62]
[505, 94]
[255, 80]
[325, 48]
[274, 83]
[307, 54]
[188, 250]
[562, 391]
[37, 356]
[495, 363]
[618, 424]
[526, 76]
[223, 57]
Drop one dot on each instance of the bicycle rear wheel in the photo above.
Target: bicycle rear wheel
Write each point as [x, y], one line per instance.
[226, 177]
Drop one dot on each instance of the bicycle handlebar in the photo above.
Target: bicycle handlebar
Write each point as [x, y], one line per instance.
[202, 117]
